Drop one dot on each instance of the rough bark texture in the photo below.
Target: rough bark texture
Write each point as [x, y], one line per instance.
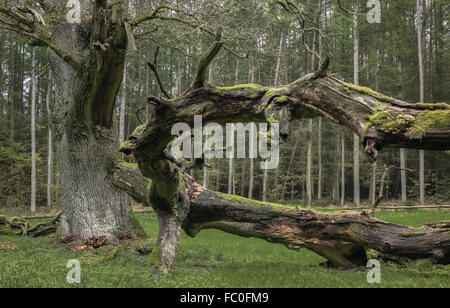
[85, 140]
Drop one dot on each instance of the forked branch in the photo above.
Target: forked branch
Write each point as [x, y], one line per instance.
[206, 60]
[154, 68]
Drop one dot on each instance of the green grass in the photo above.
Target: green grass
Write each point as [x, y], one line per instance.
[212, 259]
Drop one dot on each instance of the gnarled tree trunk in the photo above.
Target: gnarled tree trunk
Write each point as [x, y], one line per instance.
[85, 137]
[87, 62]
[377, 119]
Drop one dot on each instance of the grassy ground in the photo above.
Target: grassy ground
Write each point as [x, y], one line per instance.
[213, 259]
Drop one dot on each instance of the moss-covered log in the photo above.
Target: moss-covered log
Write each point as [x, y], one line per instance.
[19, 226]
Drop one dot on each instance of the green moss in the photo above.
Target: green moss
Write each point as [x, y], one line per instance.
[351, 88]
[428, 119]
[139, 130]
[283, 99]
[379, 118]
[250, 86]
[254, 95]
[240, 87]
[126, 145]
[273, 91]
[399, 124]
[392, 122]
[244, 201]
[7, 230]
[272, 119]
[127, 165]
[434, 106]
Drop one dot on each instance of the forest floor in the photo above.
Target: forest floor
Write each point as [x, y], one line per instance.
[212, 259]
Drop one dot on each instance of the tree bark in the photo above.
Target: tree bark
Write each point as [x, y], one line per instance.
[86, 86]
[33, 132]
[50, 143]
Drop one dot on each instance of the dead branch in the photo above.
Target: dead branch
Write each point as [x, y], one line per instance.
[206, 60]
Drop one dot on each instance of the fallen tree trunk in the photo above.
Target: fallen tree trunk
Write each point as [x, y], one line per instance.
[341, 238]
[19, 226]
[378, 120]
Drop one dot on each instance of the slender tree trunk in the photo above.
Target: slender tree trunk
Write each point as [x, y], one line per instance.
[252, 163]
[356, 170]
[422, 177]
[373, 183]
[251, 178]
[309, 165]
[178, 78]
[277, 73]
[123, 106]
[356, 141]
[338, 171]
[33, 132]
[205, 177]
[319, 154]
[50, 143]
[403, 174]
[289, 170]
[342, 171]
[231, 168]
[422, 94]
[244, 171]
[218, 176]
[264, 192]
[12, 87]
[277, 70]
[236, 74]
